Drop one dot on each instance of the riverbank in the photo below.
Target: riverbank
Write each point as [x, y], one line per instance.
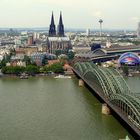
[35, 75]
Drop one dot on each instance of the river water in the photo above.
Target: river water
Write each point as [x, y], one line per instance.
[134, 84]
[53, 109]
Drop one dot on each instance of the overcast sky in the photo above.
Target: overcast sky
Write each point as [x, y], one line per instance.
[117, 14]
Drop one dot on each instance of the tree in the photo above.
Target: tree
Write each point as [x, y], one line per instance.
[138, 67]
[5, 60]
[71, 55]
[13, 70]
[32, 69]
[58, 52]
[46, 69]
[12, 51]
[7, 57]
[56, 68]
[44, 61]
[63, 59]
[125, 70]
[27, 60]
[2, 63]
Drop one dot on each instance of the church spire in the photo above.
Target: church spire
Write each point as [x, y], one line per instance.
[60, 20]
[60, 26]
[52, 30]
[52, 19]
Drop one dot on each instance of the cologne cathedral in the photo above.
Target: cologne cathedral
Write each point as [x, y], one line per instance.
[58, 43]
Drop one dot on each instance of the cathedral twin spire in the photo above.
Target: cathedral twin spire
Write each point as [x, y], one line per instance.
[52, 30]
[60, 28]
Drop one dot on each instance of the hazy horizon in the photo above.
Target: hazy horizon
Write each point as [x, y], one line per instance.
[66, 29]
[116, 14]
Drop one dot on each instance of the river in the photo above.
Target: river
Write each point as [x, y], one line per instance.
[53, 109]
[134, 83]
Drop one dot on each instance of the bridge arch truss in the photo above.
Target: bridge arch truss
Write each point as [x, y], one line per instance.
[113, 87]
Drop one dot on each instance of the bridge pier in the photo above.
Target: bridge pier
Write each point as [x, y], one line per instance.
[81, 83]
[105, 109]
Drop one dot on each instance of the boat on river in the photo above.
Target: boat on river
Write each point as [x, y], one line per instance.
[126, 138]
[1, 74]
[62, 77]
[23, 76]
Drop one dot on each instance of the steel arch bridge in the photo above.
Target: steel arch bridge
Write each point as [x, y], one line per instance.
[113, 88]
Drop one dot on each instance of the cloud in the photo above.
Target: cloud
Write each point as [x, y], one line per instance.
[75, 12]
[68, 3]
[97, 14]
[135, 19]
[64, 3]
[53, 3]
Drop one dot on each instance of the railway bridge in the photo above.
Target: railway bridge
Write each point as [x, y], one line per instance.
[111, 87]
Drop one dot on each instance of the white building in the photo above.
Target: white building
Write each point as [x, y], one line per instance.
[36, 35]
[1, 57]
[88, 32]
[21, 64]
[4, 51]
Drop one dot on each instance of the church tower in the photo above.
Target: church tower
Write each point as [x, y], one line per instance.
[60, 29]
[52, 30]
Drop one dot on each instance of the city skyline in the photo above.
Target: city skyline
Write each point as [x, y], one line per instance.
[76, 14]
